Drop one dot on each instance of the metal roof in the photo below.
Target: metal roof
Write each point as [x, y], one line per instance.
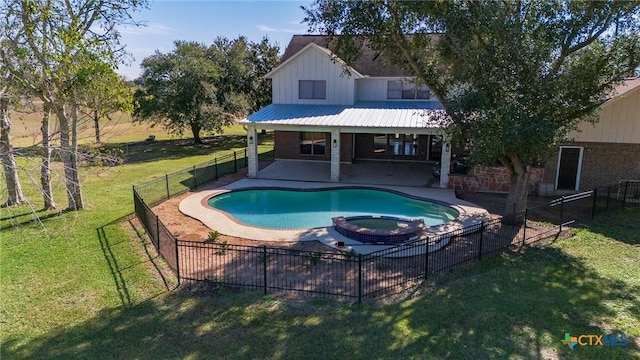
[366, 114]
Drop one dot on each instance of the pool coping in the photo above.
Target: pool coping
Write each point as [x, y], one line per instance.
[192, 206]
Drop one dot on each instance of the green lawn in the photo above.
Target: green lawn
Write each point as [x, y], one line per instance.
[80, 285]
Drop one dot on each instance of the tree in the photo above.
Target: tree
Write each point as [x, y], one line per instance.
[265, 58]
[27, 77]
[14, 190]
[47, 43]
[513, 76]
[104, 92]
[244, 65]
[178, 90]
[204, 88]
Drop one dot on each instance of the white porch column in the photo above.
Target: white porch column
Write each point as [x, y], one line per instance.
[335, 155]
[252, 145]
[445, 163]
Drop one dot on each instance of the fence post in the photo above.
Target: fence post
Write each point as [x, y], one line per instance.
[561, 213]
[158, 233]
[593, 206]
[246, 159]
[624, 197]
[166, 181]
[359, 278]
[195, 178]
[426, 259]
[481, 236]
[524, 229]
[215, 166]
[608, 196]
[175, 242]
[264, 267]
[135, 201]
[235, 162]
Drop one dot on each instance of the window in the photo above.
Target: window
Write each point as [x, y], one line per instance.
[395, 144]
[398, 89]
[313, 143]
[380, 144]
[312, 89]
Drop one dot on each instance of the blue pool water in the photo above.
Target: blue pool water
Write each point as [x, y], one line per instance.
[290, 209]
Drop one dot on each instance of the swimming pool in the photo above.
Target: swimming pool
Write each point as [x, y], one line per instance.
[297, 209]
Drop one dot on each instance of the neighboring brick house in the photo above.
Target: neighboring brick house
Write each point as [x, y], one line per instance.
[603, 153]
[325, 110]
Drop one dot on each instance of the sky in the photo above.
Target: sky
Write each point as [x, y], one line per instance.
[203, 21]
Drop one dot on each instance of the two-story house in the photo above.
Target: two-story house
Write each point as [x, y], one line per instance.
[325, 110]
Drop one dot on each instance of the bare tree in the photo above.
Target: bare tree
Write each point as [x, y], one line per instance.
[48, 42]
[14, 190]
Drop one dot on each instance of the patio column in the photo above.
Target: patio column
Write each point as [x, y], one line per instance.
[335, 155]
[445, 163]
[252, 153]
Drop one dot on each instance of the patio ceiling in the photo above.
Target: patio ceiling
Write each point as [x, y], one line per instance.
[383, 116]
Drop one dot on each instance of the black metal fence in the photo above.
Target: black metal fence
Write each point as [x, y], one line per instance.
[160, 189]
[163, 188]
[345, 274]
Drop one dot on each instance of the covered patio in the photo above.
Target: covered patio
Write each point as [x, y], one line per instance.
[333, 154]
[364, 172]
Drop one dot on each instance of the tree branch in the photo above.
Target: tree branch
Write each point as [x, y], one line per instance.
[401, 42]
[567, 50]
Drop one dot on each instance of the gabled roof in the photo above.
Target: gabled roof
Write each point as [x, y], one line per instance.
[325, 51]
[626, 87]
[364, 114]
[370, 62]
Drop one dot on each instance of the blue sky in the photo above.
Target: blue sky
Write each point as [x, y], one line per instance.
[203, 21]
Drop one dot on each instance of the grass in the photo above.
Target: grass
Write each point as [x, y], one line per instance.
[120, 128]
[82, 285]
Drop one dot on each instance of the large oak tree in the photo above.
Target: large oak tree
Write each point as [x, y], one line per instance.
[204, 88]
[513, 76]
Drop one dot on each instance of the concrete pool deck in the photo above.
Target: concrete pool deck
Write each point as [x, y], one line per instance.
[194, 206]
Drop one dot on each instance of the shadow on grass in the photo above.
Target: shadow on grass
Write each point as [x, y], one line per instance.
[36, 216]
[110, 251]
[13, 216]
[112, 262]
[620, 224]
[517, 306]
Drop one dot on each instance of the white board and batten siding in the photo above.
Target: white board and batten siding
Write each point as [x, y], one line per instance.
[374, 89]
[313, 65]
[619, 122]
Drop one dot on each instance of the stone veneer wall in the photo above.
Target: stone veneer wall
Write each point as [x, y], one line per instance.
[491, 179]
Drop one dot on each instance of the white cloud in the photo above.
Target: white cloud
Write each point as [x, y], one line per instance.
[266, 28]
[149, 29]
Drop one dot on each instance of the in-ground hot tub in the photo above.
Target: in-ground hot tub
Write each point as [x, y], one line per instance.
[379, 230]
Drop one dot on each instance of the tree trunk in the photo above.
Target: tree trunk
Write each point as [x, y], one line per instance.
[15, 195]
[195, 129]
[96, 120]
[68, 148]
[518, 192]
[45, 168]
[519, 186]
